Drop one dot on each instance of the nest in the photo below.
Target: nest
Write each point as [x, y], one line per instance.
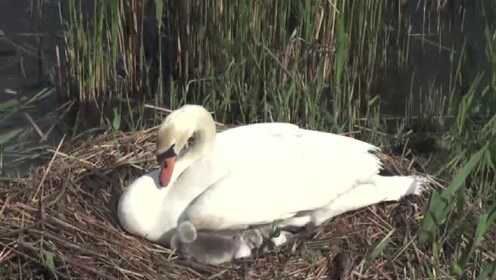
[60, 224]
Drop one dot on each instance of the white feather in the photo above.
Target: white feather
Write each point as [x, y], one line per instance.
[274, 171]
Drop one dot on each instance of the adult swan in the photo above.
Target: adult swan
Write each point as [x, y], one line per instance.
[252, 175]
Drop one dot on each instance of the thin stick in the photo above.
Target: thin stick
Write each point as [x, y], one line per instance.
[158, 108]
[72, 157]
[36, 127]
[6, 202]
[48, 168]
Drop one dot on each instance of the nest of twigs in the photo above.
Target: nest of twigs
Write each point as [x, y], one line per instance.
[60, 224]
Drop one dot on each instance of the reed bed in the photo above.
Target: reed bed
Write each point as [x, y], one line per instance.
[60, 223]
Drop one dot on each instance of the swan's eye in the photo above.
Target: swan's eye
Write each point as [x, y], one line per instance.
[191, 141]
[167, 154]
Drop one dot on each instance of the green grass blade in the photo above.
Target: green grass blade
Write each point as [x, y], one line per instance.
[6, 137]
[379, 248]
[441, 203]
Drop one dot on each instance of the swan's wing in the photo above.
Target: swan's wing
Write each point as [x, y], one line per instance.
[276, 171]
[256, 129]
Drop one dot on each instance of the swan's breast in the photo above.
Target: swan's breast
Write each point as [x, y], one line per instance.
[139, 210]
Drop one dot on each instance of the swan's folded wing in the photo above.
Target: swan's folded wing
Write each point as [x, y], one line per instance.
[276, 173]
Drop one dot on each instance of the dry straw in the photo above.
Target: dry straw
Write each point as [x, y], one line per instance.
[60, 223]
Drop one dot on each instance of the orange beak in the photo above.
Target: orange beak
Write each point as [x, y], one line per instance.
[166, 169]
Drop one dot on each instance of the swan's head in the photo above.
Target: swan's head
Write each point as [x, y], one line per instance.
[183, 137]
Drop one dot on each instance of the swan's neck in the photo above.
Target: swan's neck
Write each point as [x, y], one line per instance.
[204, 134]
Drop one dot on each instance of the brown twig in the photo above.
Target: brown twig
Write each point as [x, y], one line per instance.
[48, 169]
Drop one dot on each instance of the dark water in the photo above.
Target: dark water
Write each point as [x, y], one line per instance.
[29, 30]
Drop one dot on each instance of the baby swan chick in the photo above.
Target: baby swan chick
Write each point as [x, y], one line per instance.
[217, 247]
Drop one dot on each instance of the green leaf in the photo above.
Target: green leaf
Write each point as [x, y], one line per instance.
[8, 105]
[341, 47]
[49, 261]
[116, 122]
[6, 137]
[442, 202]
[159, 9]
[486, 220]
[488, 271]
[379, 248]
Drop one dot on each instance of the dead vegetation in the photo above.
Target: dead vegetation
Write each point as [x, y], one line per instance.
[60, 224]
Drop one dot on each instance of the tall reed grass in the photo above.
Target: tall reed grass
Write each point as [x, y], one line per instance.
[313, 62]
[103, 57]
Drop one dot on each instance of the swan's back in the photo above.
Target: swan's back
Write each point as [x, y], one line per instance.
[276, 170]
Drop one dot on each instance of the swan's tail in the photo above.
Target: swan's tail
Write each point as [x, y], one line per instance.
[379, 189]
[395, 187]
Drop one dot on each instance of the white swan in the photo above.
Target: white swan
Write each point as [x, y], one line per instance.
[253, 175]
